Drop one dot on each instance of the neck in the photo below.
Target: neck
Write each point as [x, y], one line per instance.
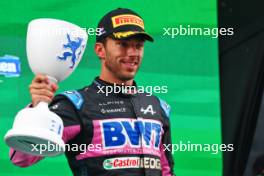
[109, 77]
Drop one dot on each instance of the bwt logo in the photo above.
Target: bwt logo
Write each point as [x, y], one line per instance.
[134, 133]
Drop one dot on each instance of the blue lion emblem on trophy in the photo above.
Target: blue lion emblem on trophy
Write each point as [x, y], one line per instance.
[73, 45]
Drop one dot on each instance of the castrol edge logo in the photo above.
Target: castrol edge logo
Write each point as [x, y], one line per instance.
[131, 162]
[121, 20]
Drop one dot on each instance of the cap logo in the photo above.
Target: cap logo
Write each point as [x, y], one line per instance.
[123, 34]
[127, 19]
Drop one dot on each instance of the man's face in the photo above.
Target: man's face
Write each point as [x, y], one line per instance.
[123, 57]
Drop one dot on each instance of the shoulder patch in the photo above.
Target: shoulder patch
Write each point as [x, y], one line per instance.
[166, 107]
[75, 97]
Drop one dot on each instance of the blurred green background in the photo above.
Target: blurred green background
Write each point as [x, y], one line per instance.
[188, 65]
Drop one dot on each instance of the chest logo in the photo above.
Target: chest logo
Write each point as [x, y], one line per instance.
[149, 109]
[132, 133]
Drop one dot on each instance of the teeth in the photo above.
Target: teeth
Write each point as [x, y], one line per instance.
[130, 63]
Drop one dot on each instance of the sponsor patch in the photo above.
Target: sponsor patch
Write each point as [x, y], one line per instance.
[165, 107]
[134, 133]
[122, 20]
[126, 136]
[131, 162]
[75, 97]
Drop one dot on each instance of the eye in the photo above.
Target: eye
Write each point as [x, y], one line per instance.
[139, 45]
[123, 44]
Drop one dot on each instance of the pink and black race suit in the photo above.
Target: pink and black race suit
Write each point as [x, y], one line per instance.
[113, 134]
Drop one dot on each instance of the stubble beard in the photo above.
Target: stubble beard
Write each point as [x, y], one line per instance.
[115, 70]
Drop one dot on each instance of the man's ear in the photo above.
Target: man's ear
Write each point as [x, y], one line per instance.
[99, 49]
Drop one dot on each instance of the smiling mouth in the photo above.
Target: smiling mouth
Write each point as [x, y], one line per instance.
[129, 63]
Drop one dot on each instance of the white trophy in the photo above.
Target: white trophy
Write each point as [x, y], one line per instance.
[54, 48]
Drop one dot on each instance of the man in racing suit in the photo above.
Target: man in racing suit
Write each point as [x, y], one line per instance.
[124, 131]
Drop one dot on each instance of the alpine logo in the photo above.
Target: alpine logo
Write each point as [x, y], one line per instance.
[149, 109]
[131, 162]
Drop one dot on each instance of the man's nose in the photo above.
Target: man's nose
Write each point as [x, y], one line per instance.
[133, 51]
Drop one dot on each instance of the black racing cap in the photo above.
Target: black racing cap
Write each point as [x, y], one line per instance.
[122, 23]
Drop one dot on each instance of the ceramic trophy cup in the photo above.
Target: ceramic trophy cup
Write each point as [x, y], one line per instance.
[54, 48]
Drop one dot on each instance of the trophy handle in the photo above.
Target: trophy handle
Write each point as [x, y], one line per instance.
[52, 79]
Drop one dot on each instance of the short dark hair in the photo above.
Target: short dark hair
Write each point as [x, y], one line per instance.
[103, 41]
